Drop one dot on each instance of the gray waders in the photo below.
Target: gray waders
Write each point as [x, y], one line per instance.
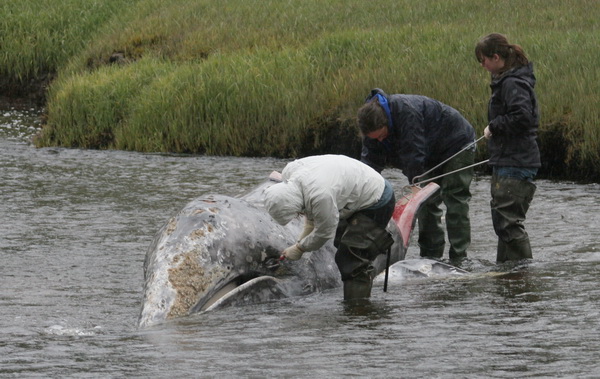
[359, 241]
[510, 201]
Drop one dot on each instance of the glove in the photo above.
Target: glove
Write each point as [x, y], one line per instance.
[308, 228]
[487, 133]
[293, 253]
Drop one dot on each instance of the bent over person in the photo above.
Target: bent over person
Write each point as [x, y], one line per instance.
[415, 134]
[342, 198]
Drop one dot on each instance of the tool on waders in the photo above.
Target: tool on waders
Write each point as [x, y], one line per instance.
[387, 268]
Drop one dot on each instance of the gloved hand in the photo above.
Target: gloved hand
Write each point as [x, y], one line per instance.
[293, 253]
[487, 133]
[308, 228]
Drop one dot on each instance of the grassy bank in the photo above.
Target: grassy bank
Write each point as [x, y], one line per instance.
[39, 37]
[284, 78]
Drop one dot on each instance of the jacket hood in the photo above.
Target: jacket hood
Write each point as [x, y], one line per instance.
[375, 92]
[283, 201]
[522, 72]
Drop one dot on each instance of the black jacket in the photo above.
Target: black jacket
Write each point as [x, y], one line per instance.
[424, 133]
[513, 117]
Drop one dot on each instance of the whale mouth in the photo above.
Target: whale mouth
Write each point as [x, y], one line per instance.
[225, 289]
[243, 285]
[252, 290]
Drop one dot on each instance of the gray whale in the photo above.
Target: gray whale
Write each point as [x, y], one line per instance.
[222, 251]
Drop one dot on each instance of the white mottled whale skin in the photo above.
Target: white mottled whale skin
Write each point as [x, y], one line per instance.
[421, 268]
[220, 251]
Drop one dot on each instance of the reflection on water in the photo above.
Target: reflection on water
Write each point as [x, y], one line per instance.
[19, 121]
[367, 313]
[75, 226]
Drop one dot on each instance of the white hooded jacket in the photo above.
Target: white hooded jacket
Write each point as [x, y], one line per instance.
[326, 188]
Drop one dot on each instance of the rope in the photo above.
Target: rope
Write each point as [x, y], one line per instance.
[444, 162]
[449, 173]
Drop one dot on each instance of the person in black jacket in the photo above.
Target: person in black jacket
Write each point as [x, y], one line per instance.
[513, 117]
[415, 134]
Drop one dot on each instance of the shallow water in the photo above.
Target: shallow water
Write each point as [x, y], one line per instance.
[76, 225]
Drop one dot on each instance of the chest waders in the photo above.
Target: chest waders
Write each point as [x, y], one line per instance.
[359, 241]
[510, 201]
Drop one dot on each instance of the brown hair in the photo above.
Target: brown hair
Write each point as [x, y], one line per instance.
[496, 43]
[371, 117]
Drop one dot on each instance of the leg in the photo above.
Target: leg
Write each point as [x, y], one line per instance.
[431, 233]
[510, 202]
[501, 251]
[359, 243]
[456, 195]
[357, 273]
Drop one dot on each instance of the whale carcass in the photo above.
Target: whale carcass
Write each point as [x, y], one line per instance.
[221, 250]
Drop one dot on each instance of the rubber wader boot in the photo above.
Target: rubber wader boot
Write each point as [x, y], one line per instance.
[358, 288]
[514, 250]
[455, 256]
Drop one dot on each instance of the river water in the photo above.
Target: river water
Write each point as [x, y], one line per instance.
[76, 224]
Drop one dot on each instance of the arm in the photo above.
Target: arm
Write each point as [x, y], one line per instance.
[372, 154]
[411, 144]
[325, 215]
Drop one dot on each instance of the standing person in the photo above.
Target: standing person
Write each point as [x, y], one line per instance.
[513, 117]
[415, 134]
[328, 189]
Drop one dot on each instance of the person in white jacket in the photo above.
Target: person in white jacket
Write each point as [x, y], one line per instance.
[329, 190]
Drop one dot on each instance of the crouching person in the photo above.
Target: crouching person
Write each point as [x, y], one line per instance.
[342, 199]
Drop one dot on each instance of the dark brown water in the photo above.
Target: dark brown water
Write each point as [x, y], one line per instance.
[75, 226]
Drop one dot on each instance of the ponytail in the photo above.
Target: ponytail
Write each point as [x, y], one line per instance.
[495, 43]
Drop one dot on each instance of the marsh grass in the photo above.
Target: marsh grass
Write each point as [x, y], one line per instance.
[38, 37]
[281, 78]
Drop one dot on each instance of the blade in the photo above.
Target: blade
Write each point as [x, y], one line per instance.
[405, 212]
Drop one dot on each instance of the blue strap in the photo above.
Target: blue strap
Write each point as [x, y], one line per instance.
[386, 107]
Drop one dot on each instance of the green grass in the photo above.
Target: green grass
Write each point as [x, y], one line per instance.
[41, 36]
[284, 78]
